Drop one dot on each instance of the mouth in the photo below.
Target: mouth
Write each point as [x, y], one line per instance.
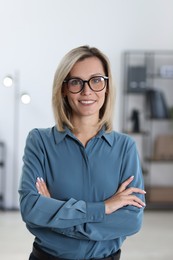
[87, 102]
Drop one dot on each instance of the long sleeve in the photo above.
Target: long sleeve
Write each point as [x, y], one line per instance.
[39, 211]
[79, 180]
[123, 222]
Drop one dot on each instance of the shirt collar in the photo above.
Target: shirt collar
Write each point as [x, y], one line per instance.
[59, 136]
[109, 137]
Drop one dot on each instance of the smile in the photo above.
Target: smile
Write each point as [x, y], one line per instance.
[87, 102]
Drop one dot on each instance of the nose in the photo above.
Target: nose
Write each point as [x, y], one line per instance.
[86, 89]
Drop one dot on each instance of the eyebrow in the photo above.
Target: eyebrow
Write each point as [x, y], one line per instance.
[92, 75]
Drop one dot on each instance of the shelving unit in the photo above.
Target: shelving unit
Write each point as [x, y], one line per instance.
[148, 117]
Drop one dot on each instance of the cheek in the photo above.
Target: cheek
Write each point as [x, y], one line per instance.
[102, 98]
[71, 100]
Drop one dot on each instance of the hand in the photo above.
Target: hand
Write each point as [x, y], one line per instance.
[42, 188]
[123, 197]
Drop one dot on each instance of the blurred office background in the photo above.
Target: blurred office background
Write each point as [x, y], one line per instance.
[135, 34]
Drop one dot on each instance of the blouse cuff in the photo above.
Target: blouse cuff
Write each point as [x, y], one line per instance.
[95, 211]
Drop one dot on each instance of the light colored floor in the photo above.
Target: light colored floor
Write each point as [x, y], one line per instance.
[154, 242]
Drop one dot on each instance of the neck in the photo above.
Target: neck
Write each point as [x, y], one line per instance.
[84, 130]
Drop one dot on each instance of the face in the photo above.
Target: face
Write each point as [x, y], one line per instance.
[87, 102]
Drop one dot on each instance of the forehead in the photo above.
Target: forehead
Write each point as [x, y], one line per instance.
[87, 67]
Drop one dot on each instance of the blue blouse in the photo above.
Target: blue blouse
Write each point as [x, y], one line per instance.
[72, 224]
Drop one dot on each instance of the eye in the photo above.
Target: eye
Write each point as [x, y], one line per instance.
[96, 80]
[75, 82]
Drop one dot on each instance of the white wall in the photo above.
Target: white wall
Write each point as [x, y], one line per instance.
[35, 34]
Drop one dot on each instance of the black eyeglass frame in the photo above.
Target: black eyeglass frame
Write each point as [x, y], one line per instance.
[86, 81]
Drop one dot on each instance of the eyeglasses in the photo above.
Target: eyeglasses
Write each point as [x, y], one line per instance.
[96, 83]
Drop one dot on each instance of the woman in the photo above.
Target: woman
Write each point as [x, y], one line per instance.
[81, 191]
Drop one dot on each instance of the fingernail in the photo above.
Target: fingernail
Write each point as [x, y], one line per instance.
[42, 179]
[132, 176]
[38, 179]
[144, 191]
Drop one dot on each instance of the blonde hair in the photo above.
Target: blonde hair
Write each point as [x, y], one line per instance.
[61, 109]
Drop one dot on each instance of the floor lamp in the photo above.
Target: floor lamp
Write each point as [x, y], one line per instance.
[13, 81]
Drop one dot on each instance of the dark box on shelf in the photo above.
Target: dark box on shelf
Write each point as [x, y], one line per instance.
[136, 80]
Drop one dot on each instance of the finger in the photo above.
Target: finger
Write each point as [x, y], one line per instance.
[132, 200]
[137, 200]
[42, 188]
[39, 185]
[125, 184]
[138, 205]
[45, 191]
[132, 190]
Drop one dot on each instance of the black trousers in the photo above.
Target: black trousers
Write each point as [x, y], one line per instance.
[32, 257]
[115, 256]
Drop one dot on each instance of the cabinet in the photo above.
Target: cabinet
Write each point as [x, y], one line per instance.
[2, 172]
[148, 118]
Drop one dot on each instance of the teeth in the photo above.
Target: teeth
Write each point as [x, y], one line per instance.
[87, 101]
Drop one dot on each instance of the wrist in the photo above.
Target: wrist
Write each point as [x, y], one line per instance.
[107, 208]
